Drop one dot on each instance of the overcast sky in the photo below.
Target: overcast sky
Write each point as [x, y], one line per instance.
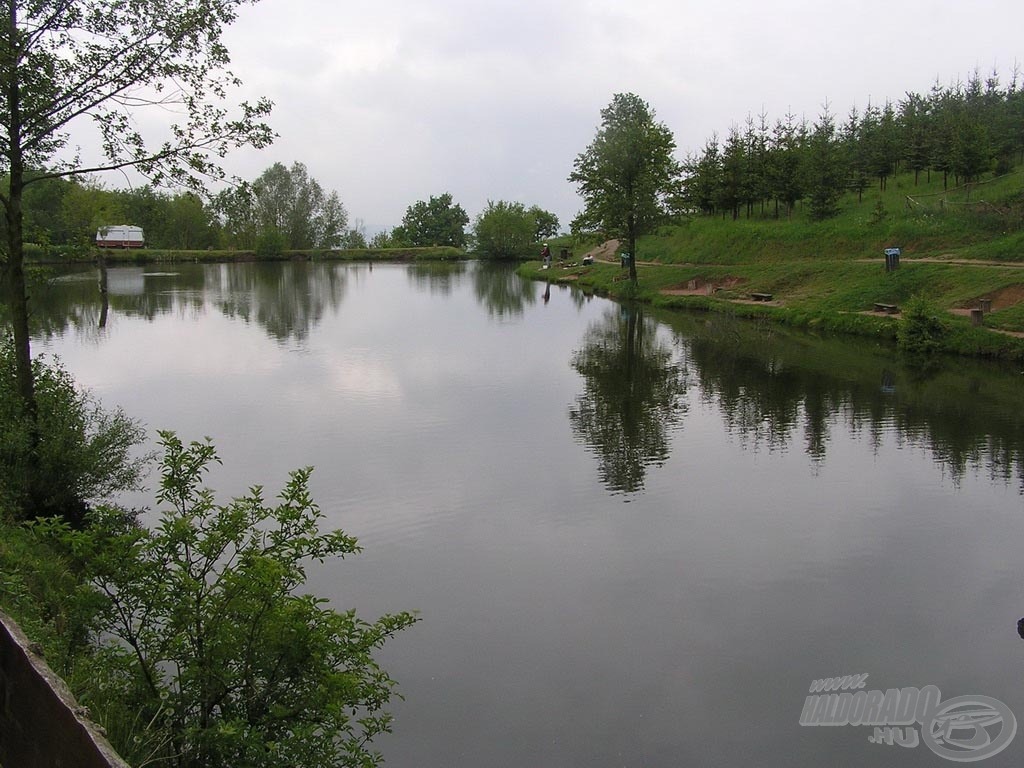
[392, 101]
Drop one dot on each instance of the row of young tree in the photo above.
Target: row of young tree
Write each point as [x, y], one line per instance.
[961, 131]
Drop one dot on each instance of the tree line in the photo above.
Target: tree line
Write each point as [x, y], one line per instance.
[961, 131]
[285, 208]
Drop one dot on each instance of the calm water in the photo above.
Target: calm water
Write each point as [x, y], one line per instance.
[634, 539]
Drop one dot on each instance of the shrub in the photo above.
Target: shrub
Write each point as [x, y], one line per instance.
[209, 657]
[270, 243]
[84, 453]
[921, 328]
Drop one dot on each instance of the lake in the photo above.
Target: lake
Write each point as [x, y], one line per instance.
[634, 538]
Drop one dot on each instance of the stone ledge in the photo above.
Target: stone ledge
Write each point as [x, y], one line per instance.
[41, 724]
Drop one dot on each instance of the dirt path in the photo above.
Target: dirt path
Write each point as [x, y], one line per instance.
[605, 252]
[959, 262]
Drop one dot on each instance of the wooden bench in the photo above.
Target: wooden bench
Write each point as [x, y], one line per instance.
[889, 309]
[761, 296]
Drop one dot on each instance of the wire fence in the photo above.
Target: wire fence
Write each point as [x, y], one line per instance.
[946, 198]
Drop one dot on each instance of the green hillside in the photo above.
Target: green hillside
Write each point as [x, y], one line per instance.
[976, 221]
[959, 247]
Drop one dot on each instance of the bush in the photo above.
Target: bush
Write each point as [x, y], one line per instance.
[84, 453]
[40, 590]
[208, 656]
[922, 327]
[270, 243]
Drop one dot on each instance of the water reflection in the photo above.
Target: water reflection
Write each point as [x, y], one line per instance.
[501, 291]
[463, 453]
[437, 277]
[632, 397]
[286, 303]
[777, 389]
[286, 300]
[76, 299]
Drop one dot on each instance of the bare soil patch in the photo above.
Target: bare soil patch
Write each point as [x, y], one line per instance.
[701, 287]
[1006, 297]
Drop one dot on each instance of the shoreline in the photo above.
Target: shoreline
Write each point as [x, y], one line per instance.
[732, 289]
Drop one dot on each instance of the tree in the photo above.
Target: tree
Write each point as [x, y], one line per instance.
[733, 166]
[384, 240]
[355, 237]
[914, 119]
[505, 230]
[293, 207]
[87, 207]
[44, 212]
[71, 66]
[187, 223]
[758, 140]
[545, 223]
[944, 107]
[824, 168]
[789, 141]
[973, 149]
[855, 152]
[627, 177]
[236, 212]
[206, 644]
[703, 181]
[148, 208]
[435, 222]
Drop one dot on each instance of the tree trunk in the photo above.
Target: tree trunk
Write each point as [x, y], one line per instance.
[104, 296]
[632, 248]
[17, 301]
[17, 296]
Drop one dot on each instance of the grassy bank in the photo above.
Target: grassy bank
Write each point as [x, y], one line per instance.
[39, 255]
[960, 246]
[829, 295]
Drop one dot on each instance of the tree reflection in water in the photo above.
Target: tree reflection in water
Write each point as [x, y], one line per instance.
[633, 395]
[286, 303]
[773, 385]
[501, 291]
[437, 277]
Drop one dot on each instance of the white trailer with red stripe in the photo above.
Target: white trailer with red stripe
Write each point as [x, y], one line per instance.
[120, 236]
